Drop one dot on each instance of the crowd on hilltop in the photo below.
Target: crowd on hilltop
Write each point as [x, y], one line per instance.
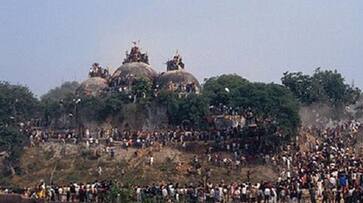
[229, 140]
[144, 138]
[328, 169]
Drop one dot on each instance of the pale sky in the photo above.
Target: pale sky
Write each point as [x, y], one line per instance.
[44, 42]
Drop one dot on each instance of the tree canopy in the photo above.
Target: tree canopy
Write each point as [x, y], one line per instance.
[17, 104]
[266, 100]
[216, 89]
[61, 92]
[324, 86]
[192, 108]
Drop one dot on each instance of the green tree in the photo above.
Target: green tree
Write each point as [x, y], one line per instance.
[12, 142]
[113, 104]
[217, 89]
[17, 104]
[325, 86]
[61, 92]
[192, 108]
[302, 86]
[142, 89]
[265, 100]
[59, 103]
[89, 108]
[270, 100]
[334, 87]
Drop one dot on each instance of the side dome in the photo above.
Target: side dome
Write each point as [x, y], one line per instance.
[93, 86]
[176, 79]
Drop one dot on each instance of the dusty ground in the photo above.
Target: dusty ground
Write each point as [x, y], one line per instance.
[74, 163]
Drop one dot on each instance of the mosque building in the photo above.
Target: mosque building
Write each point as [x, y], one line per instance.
[135, 67]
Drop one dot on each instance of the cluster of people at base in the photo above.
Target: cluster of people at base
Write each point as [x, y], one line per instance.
[328, 171]
[73, 192]
[243, 192]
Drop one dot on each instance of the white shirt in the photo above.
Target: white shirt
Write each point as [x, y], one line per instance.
[267, 192]
[165, 192]
[244, 190]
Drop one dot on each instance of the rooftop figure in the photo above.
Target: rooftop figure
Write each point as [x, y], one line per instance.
[135, 55]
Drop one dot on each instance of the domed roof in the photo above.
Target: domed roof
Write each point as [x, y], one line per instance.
[135, 70]
[135, 66]
[176, 78]
[93, 86]
[180, 77]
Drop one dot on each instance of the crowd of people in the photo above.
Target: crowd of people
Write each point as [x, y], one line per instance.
[329, 170]
[217, 141]
[73, 192]
[182, 87]
[326, 168]
[176, 63]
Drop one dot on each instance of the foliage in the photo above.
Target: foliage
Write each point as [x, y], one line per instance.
[17, 104]
[270, 101]
[59, 102]
[90, 108]
[192, 108]
[142, 88]
[113, 104]
[216, 89]
[62, 92]
[118, 194]
[323, 86]
[265, 100]
[11, 141]
[56, 109]
[86, 108]
[62, 102]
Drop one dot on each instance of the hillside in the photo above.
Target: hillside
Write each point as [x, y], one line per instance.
[65, 163]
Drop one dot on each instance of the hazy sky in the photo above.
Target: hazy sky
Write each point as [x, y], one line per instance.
[44, 43]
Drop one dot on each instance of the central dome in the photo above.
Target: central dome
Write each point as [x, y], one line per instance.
[133, 70]
[135, 67]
